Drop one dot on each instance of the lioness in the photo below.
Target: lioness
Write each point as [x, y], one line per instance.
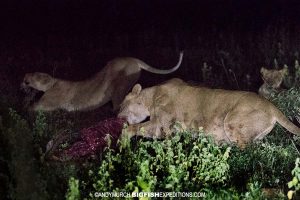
[230, 116]
[112, 83]
[272, 81]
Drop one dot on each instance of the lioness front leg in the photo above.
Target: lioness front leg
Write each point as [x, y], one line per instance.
[41, 106]
[46, 103]
[146, 129]
[151, 129]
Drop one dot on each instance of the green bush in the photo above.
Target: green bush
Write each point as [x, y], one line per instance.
[26, 181]
[39, 126]
[288, 101]
[264, 162]
[292, 79]
[30, 177]
[253, 192]
[182, 163]
[190, 161]
[294, 184]
[73, 192]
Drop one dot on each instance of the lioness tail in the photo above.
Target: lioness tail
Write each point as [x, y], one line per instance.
[148, 68]
[283, 121]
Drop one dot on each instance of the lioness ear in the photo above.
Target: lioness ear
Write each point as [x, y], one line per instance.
[285, 70]
[262, 70]
[136, 89]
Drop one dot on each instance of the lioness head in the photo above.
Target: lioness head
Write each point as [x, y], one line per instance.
[38, 81]
[272, 77]
[133, 108]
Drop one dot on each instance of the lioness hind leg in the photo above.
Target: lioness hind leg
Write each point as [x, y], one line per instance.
[246, 127]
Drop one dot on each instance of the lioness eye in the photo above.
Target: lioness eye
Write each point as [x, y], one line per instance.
[26, 82]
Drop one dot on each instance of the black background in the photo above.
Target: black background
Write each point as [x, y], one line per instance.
[73, 39]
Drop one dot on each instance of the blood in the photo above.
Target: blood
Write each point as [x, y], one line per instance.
[92, 140]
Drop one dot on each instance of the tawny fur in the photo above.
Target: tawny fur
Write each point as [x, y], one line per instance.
[112, 83]
[272, 81]
[229, 116]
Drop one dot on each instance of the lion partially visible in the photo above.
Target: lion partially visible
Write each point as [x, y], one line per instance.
[229, 116]
[112, 83]
[272, 81]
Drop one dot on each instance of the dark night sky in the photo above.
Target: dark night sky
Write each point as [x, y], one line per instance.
[153, 30]
[88, 17]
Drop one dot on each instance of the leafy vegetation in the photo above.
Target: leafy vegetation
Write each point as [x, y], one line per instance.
[73, 192]
[182, 163]
[27, 183]
[189, 161]
[294, 185]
